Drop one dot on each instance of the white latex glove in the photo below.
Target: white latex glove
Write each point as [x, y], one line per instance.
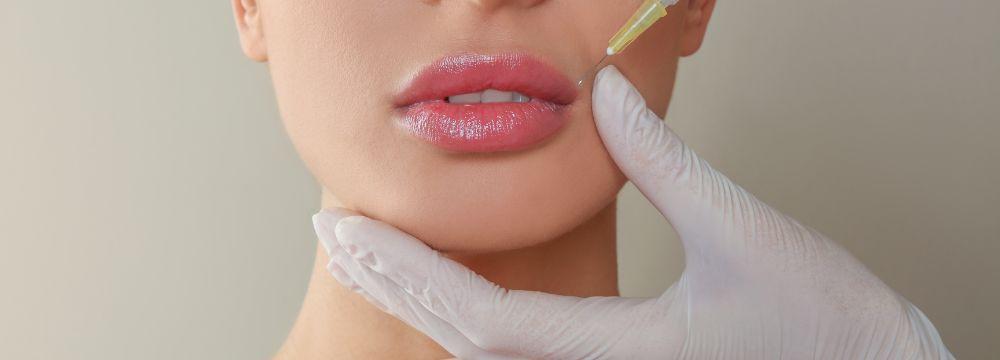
[757, 284]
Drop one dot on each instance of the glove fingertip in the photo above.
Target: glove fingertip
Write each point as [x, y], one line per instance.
[347, 227]
[609, 70]
[324, 223]
[347, 230]
[328, 218]
[614, 91]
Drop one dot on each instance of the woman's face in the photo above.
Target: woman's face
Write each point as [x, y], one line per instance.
[461, 177]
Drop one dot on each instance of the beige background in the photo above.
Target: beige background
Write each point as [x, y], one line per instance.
[151, 207]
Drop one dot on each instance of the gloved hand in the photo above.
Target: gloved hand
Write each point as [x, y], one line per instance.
[757, 284]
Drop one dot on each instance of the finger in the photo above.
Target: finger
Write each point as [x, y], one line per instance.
[387, 295]
[324, 223]
[380, 291]
[525, 323]
[704, 206]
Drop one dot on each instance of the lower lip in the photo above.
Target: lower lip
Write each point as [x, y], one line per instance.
[487, 127]
[484, 127]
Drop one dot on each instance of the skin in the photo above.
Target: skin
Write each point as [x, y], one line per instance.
[539, 219]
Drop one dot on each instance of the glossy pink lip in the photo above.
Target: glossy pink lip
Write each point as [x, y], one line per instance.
[486, 127]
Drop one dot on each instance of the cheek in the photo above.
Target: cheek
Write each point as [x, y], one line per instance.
[651, 62]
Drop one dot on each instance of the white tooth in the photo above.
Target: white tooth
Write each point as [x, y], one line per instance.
[471, 98]
[521, 98]
[497, 96]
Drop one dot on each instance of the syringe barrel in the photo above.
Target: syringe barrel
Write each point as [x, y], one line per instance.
[646, 16]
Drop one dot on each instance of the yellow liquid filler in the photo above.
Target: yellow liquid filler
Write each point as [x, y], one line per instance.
[646, 16]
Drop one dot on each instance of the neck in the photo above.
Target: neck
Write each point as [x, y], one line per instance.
[336, 323]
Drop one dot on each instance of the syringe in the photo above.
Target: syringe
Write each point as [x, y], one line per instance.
[648, 13]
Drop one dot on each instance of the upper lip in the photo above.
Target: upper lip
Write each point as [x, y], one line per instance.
[469, 73]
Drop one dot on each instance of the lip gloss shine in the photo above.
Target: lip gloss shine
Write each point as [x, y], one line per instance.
[486, 127]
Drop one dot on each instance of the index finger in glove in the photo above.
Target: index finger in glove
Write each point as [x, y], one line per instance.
[711, 214]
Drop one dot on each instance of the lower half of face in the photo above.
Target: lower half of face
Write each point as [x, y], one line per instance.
[459, 121]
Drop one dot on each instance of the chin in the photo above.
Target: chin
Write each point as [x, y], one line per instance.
[519, 219]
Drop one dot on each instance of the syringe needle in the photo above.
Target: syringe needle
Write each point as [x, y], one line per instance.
[641, 20]
[591, 71]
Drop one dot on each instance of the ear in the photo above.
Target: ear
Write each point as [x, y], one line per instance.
[696, 18]
[248, 22]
